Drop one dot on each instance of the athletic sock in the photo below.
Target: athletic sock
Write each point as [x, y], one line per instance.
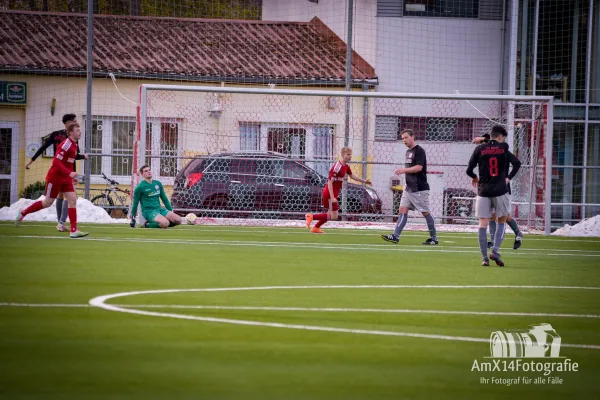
[499, 237]
[431, 226]
[73, 218]
[482, 235]
[492, 229]
[321, 219]
[400, 225]
[59, 208]
[65, 212]
[152, 225]
[37, 206]
[514, 226]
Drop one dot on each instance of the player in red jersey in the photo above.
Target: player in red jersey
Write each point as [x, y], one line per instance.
[331, 192]
[60, 179]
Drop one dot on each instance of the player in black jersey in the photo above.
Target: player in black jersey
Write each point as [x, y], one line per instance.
[54, 139]
[416, 192]
[493, 159]
[510, 221]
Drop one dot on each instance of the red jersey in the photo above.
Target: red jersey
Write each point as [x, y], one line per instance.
[337, 173]
[64, 161]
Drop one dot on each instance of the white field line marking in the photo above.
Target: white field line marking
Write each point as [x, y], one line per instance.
[309, 309]
[363, 310]
[100, 302]
[48, 305]
[209, 229]
[349, 246]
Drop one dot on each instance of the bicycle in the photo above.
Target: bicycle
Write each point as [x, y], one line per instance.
[111, 192]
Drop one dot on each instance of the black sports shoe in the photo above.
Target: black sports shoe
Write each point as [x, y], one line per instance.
[431, 241]
[490, 245]
[497, 259]
[518, 242]
[485, 262]
[390, 238]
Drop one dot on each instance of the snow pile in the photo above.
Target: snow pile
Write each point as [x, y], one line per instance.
[587, 227]
[86, 212]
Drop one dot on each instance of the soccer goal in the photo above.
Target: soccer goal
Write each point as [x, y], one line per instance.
[237, 155]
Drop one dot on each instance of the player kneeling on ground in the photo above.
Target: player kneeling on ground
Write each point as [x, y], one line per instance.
[149, 193]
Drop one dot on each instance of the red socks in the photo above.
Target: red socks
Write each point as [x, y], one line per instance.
[73, 219]
[321, 218]
[37, 206]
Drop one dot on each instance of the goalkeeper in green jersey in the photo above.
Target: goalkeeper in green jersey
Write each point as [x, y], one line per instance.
[149, 193]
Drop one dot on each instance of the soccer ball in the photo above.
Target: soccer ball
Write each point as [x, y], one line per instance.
[191, 218]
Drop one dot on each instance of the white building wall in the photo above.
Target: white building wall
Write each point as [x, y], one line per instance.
[438, 55]
[334, 14]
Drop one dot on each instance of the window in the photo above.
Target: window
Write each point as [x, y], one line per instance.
[442, 8]
[122, 138]
[386, 128]
[115, 136]
[433, 129]
[311, 142]
[323, 148]
[289, 141]
[162, 148]
[294, 170]
[242, 166]
[249, 136]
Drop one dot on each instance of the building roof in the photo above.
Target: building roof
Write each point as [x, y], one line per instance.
[177, 48]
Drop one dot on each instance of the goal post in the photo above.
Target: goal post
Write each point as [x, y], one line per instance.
[240, 155]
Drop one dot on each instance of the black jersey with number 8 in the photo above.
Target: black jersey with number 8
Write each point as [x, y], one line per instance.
[493, 159]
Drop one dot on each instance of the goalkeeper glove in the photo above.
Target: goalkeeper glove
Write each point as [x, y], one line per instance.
[132, 223]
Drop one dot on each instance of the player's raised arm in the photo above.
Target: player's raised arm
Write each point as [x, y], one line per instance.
[47, 143]
[473, 161]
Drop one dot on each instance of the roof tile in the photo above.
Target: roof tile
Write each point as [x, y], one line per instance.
[183, 47]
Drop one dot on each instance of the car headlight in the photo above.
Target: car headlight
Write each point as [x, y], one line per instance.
[372, 193]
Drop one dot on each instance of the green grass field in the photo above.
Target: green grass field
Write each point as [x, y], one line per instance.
[61, 347]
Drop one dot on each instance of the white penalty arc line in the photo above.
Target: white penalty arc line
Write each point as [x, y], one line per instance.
[100, 302]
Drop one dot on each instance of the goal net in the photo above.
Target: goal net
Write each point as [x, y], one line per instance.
[262, 156]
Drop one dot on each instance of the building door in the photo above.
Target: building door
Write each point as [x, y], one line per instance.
[9, 162]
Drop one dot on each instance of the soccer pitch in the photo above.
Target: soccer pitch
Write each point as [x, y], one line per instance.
[229, 312]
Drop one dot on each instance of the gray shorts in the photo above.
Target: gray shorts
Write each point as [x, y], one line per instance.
[486, 206]
[418, 201]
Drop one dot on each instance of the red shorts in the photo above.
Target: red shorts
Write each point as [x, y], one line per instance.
[53, 188]
[329, 204]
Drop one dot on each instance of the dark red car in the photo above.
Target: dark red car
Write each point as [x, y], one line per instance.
[261, 185]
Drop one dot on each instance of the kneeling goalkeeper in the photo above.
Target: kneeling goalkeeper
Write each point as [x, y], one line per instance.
[149, 193]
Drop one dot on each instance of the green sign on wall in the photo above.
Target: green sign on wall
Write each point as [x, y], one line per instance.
[14, 93]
